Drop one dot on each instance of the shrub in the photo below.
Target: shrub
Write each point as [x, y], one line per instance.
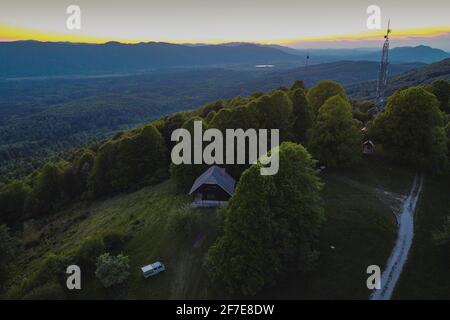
[112, 270]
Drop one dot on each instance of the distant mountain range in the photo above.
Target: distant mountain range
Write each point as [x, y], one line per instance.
[423, 54]
[412, 54]
[31, 58]
[49, 59]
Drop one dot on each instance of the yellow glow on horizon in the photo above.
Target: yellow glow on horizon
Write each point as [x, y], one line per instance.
[376, 35]
[10, 33]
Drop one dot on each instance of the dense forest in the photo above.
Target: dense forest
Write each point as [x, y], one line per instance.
[54, 116]
[319, 126]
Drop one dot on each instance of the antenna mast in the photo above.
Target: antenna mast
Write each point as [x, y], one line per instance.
[383, 73]
[307, 59]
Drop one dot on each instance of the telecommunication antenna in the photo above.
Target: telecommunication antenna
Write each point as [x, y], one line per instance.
[383, 73]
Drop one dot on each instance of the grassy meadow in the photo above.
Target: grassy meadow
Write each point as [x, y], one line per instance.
[360, 231]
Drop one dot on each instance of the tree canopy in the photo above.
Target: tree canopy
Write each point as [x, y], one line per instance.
[322, 92]
[412, 129]
[336, 138]
[270, 222]
[112, 270]
[274, 111]
[302, 114]
[132, 159]
[441, 89]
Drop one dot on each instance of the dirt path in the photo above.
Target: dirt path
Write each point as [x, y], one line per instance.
[399, 254]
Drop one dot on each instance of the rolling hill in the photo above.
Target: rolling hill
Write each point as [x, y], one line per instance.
[423, 54]
[418, 77]
[32, 59]
[51, 59]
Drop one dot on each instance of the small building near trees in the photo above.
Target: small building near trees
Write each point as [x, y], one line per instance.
[213, 188]
[368, 147]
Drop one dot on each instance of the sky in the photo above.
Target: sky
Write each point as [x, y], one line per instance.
[295, 23]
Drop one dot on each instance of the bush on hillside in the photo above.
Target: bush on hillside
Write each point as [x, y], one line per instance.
[112, 270]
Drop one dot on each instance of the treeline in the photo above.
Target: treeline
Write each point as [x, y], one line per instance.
[70, 125]
[129, 160]
[413, 129]
[41, 118]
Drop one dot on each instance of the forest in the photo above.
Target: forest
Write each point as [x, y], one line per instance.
[41, 119]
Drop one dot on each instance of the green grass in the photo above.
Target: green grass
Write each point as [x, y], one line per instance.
[144, 215]
[427, 272]
[360, 225]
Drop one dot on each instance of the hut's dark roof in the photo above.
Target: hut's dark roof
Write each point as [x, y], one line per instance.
[370, 142]
[216, 176]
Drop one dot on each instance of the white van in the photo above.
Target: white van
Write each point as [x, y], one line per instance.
[153, 269]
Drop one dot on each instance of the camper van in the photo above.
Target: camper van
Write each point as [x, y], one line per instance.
[153, 269]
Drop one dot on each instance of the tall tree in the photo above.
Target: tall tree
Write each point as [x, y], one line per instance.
[47, 190]
[441, 89]
[322, 92]
[270, 222]
[302, 113]
[274, 111]
[336, 137]
[412, 129]
[134, 159]
[298, 84]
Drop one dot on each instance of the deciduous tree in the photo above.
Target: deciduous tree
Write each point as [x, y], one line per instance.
[322, 92]
[412, 129]
[269, 222]
[336, 137]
